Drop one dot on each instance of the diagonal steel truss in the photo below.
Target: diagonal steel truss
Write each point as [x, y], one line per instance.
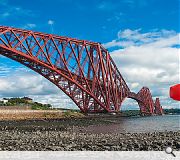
[83, 70]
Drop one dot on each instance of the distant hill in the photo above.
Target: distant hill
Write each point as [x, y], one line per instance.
[172, 111]
[23, 103]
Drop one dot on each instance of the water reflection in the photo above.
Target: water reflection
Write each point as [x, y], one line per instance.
[137, 124]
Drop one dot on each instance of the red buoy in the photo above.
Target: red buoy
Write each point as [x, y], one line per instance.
[175, 92]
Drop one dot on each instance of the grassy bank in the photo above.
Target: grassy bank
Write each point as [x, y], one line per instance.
[37, 114]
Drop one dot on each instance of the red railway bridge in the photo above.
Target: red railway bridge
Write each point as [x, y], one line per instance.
[83, 70]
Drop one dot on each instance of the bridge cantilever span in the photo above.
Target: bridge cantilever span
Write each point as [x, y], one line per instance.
[83, 70]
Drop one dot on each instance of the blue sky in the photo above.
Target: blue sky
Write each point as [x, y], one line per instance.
[95, 20]
[130, 29]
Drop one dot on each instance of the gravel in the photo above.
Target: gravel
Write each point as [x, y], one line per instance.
[66, 135]
[20, 140]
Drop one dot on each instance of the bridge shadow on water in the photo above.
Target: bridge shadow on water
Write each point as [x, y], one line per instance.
[134, 125]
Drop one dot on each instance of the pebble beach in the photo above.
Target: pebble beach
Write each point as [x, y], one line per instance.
[66, 135]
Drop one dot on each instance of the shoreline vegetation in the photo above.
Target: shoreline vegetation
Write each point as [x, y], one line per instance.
[30, 114]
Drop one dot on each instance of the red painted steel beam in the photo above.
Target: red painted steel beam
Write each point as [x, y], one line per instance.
[83, 70]
[158, 107]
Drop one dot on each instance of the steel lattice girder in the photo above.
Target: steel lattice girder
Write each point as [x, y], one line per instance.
[158, 108]
[83, 70]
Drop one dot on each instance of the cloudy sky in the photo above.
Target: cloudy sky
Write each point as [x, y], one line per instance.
[141, 35]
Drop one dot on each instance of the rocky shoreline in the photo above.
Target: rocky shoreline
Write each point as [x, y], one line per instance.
[66, 135]
[15, 140]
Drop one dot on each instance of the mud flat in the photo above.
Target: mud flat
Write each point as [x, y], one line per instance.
[68, 135]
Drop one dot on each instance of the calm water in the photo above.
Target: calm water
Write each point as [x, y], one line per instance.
[139, 124]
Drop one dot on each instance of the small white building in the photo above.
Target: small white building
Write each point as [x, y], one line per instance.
[4, 100]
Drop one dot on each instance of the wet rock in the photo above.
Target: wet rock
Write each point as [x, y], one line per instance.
[34, 138]
[177, 145]
[107, 148]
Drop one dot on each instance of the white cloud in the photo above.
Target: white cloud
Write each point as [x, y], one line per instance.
[134, 85]
[50, 22]
[148, 59]
[106, 6]
[22, 82]
[144, 59]
[130, 37]
[5, 14]
[29, 26]
[12, 11]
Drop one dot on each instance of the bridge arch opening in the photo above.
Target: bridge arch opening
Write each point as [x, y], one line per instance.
[130, 107]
